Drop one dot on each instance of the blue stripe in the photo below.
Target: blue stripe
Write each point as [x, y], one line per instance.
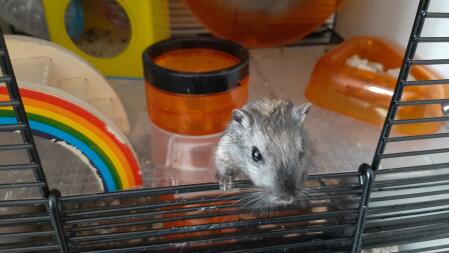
[103, 170]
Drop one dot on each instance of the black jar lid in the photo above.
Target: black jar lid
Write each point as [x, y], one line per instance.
[191, 82]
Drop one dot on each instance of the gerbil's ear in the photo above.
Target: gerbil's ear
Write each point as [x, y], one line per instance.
[300, 112]
[242, 117]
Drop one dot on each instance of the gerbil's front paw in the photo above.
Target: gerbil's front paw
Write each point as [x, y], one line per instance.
[225, 182]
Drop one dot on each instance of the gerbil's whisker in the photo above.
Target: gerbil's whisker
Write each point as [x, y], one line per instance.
[303, 195]
[300, 195]
[261, 206]
[269, 209]
[256, 203]
[247, 196]
[249, 189]
[306, 193]
[250, 196]
[247, 204]
[224, 194]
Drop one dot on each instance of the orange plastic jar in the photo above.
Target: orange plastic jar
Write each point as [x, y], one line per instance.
[193, 84]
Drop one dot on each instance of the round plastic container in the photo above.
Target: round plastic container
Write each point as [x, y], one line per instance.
[193, 84]
[262, 23]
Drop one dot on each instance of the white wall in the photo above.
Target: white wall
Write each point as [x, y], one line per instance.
[392, 20]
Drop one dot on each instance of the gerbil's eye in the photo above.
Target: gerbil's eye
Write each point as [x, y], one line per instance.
[257, 156]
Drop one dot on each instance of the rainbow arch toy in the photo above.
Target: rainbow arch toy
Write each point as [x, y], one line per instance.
[56, 115]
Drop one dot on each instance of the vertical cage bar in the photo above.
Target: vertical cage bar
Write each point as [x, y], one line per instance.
[21, 117]
[54, 208]
[401, 81]
[366, 180]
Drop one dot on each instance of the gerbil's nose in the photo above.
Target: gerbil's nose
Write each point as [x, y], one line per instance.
[288, 187]
[287, 198]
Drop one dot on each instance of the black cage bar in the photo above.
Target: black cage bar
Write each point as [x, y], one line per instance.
[408, 202]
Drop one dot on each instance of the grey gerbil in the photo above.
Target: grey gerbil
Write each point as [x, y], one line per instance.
[266, 141]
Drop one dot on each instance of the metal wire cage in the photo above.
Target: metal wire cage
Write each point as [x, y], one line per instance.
[405, 207]
[413, 183]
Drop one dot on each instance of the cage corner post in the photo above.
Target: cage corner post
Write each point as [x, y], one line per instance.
[54, 207]
[366, 180]
[368, 172]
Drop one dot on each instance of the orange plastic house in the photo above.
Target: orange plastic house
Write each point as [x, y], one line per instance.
[366, 95]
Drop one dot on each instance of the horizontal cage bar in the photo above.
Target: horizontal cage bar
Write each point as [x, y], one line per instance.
[9, 103]
[420, 120]
[18, 167]
[27, 234]
[426, 82]
[12, 127]
[31, 248]
[431, 39]
[423, 102]
[5, 79]
[21, 185]
[436, 15]
[430, 62]
[417, 137]
[19, 219]
[415, 153]
[15, 147]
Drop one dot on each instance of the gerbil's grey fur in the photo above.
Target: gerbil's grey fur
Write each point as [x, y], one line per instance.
[275, 129]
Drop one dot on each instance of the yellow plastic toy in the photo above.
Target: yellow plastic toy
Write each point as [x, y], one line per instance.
[113, 34]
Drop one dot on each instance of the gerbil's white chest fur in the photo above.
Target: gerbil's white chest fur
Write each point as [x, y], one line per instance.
[265, 141]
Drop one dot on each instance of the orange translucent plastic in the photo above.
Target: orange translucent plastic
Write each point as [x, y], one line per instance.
[195, 114]
[366, 95]
[196, 60]
[262, 23]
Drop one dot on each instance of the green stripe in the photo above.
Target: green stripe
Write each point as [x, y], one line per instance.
[75, 133]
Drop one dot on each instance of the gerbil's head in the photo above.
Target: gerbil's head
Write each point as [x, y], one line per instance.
[273, 147]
